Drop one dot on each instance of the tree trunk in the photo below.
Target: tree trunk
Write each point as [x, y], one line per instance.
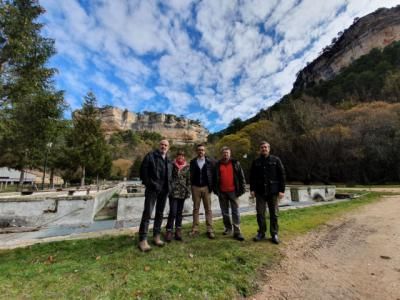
[83, 176]
[21, 180]
[52, 178]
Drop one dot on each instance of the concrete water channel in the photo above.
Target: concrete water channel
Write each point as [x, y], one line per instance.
[43, 217]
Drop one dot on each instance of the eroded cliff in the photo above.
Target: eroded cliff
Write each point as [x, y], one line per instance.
[376, 30]
[177, 129]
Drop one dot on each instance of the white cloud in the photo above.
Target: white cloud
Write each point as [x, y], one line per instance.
[224, 58]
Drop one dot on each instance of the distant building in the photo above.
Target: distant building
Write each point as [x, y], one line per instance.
[11, 176]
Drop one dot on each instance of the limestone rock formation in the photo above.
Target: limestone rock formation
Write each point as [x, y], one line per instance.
[375, 30]
[178, 129]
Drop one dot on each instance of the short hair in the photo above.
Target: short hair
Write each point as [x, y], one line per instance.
[225, 148]
[164, 140]
[180, 152]
[264, 143]
[200, 145]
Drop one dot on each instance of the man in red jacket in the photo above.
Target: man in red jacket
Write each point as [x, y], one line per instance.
[229, 186]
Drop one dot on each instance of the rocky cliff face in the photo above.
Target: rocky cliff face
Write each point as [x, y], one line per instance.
[375, 30]
[179, 130]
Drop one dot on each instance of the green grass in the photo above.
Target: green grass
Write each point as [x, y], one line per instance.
[113, 268]
[394, 185]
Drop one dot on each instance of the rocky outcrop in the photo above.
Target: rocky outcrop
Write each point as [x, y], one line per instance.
[376, 30]
[177, 129]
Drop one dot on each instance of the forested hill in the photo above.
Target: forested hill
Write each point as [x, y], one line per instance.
[346, 129]
[353, 55]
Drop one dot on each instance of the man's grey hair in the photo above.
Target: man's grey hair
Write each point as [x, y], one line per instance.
[225, 148]
[264, 143]
[165, 141]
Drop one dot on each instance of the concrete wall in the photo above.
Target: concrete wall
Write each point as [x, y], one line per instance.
[59, 209]
[130, 206]
[102, 197]
[41, 209]
[34, 212]
[312, 193]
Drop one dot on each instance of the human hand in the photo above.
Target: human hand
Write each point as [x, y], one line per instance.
[281, 195]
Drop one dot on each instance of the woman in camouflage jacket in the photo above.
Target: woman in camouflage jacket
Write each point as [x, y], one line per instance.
[179, 193]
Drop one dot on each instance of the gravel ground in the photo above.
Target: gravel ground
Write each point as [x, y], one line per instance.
[354, 257]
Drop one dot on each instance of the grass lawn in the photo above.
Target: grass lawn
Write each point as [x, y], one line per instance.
[113, 267]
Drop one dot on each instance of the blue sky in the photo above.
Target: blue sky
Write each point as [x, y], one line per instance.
[212, 60]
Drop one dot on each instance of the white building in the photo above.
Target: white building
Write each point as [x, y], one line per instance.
[11, 176]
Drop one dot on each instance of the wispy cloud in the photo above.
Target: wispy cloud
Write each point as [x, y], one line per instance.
[212, 60]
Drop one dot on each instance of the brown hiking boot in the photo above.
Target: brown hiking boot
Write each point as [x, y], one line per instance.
[168, 236]
[144, 246]
[178, 234]
[157, 241]
[210, 235]
[194, 233]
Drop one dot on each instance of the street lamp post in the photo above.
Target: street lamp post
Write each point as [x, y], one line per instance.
[48, 146]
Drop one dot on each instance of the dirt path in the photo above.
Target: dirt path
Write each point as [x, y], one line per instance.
[355, 257]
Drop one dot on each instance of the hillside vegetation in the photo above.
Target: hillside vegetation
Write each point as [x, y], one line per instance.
[343, 130]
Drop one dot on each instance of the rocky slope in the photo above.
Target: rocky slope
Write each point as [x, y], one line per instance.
[179, 130]
[375, 30]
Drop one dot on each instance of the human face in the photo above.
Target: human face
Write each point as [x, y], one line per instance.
[180, 157]
[226, 155]
[201, 151]
[264, 149]
[164, 146]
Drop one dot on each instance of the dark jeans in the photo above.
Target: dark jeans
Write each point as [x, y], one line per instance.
[261, 204]
[152, 198]
[175, 213]
[226, 200]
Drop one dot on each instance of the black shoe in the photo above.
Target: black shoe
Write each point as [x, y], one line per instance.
[238, 236]
[259, 237]
[275, 239]
[227, 231]
[210, 235]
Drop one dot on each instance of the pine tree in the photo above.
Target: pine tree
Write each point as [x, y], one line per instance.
[30, 106]
[87, 141]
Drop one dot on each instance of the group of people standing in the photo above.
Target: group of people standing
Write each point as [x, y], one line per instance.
[178, 179]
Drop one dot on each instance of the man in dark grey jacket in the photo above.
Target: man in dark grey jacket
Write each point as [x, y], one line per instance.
[156, 174]
[267, 184]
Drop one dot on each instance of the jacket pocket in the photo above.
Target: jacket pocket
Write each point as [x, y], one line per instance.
[274, 187]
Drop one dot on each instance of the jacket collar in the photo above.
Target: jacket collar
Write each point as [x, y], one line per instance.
[158, 153]
[232, 160]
